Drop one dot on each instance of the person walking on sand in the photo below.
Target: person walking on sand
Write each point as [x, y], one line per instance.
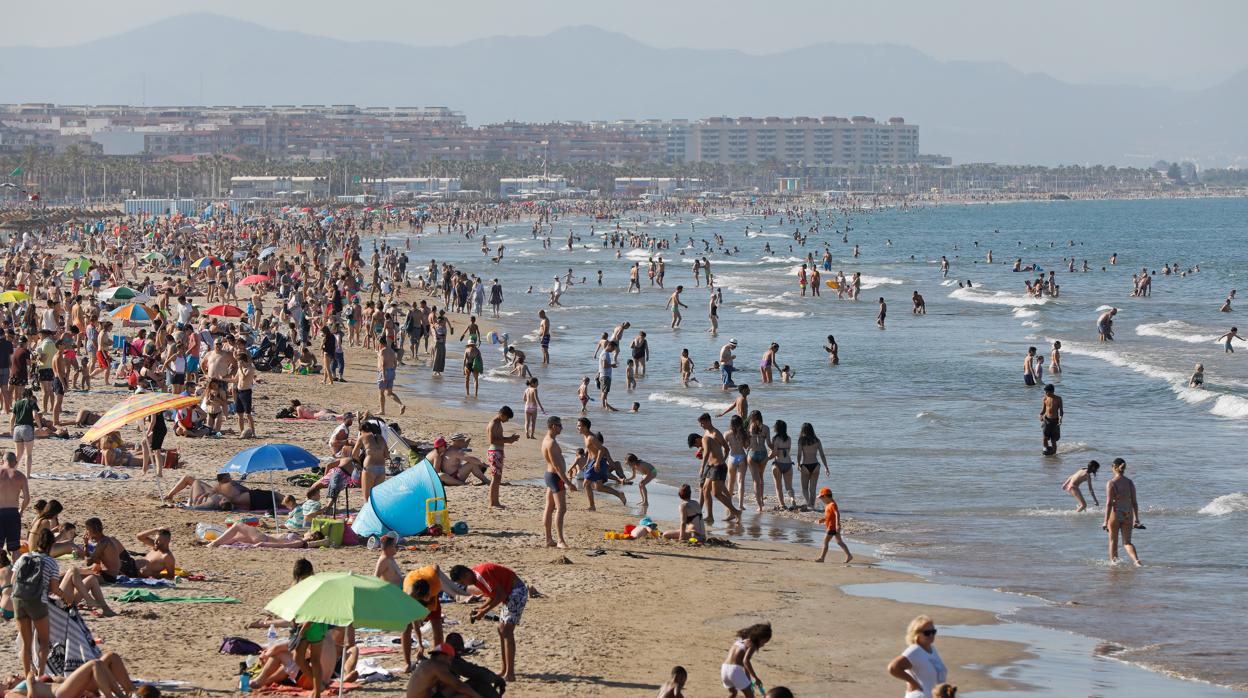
[557, 483]
[832, 526]
[597, 468]
[674, 304]
[532, 403]
[387, 363]
[494, 455]
[1051, 415]
[1233, 334]
[919, 666]
[474, 365]
[1080, 477]
[712, 447]
[1122, 512]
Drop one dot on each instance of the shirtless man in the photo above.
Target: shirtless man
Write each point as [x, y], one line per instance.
[14, 498]
[543, 333]
[1105, 325]
[674, 304]
[714, 468]
[557, 483]
[158, 562]
[597, 468]
[1051, 415]
[387, 568]
[218, 364]
[387, 362]
[1029, 367]
[433, 677]
[494, 455]
[456, 458]
[879, 317]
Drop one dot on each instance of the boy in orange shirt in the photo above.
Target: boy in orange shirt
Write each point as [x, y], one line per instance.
[832, 521]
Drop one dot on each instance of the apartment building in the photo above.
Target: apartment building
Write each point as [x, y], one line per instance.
[828, 140]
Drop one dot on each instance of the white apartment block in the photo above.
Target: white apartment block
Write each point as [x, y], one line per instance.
[803, 140]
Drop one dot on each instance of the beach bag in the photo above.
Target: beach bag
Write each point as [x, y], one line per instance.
[28, 581]
[86, 453]
[332, 528]
[129, 567]
[239, 645]
[172, 459]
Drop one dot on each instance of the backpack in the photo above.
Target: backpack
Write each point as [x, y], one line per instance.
[28, 581]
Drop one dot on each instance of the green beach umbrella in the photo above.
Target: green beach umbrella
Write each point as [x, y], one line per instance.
[82, 264]
[153, 257]
[344, 598]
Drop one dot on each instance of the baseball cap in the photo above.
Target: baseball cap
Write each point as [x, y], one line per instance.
[444, 648]
[825, 492]
[439, 442]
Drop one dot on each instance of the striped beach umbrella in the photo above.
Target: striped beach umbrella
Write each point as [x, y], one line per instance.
[208, 261]
[133, 312]
[134, 408]
[153, 257]
[123, 293]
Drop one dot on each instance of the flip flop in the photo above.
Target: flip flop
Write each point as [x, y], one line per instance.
[596, 553]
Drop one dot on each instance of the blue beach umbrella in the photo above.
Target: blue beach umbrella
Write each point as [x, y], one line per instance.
[270, 458]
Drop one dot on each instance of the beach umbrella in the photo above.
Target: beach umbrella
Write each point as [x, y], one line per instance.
[344, 598]
[14, 296]
[133, 312]
[268, 252]
[253, 279]
[123, 293]
[207, 261]
[134, 408]
[270, 458]
[225, 311]
[82, 264]
[153, 257]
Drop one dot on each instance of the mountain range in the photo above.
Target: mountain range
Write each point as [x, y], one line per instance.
[973, 111]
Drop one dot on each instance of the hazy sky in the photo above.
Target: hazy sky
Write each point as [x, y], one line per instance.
[1180, 43]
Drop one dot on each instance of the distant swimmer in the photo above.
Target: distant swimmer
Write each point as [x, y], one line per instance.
[1122, 512]
[1198, 377]
[879, 317]
[1226, 305]
[1051, 415]
[1055, 359]
[833, 351]
[1079, 478]
[1233, 334]
[1105, 325]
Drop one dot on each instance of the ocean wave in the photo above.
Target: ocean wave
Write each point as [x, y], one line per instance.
[1073, 447]
[1176, 330]
[869, 281]
[773, 312]
[1226, 504]
[1029, 323]
[1023, 312]
[1016, 300]
[948, 282]
[686, 401]
[1231, 407]
[1058, 512]
[768, 235]
[781, 260]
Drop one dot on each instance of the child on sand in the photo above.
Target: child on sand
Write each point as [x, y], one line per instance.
[531, 404]
[1081, 477]
[832, 524]
[648, 472]
[675, 686]
[737, 673]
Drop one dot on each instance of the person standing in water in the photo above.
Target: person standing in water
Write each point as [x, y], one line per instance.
[1078, 478]
[674, 304]
[543, 331]
[809, 454]
[1055, 359]
[1105, 325]
[1029, 367]
[879, 318]
[1051, 415]
[1233, 334]
[1122, 512]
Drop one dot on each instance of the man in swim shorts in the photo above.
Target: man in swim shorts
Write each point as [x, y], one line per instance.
[14, 498]
[1051, 415]
[557, 483]
[495, 454]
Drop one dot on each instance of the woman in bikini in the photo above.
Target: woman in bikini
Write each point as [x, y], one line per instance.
[1077, 479]
[1122, 512]
[765, 368]
[531, 404]
[759, 444]
[809, 455]
[782, 465]
[250, 536]
[737, 440]
[371, 450]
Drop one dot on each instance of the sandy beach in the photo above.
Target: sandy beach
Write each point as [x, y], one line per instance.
[607, 625]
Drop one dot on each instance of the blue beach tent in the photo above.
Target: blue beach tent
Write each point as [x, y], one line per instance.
[399, 503]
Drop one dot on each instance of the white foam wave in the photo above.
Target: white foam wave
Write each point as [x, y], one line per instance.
[1029, 323]
[768, 235]
[877, 281]
[1176, 330]
[1103, 308]
[1226, 504]
[1073, 447]
[1023, 312]
[773, 312]
[782, 260]
[686, 401]
[948, 282]
[1016, 300]
[1231, 407]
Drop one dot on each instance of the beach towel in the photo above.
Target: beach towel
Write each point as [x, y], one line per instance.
[72, 642]
[143, 595]
[105, 474]
[275, 690]
[124, 581]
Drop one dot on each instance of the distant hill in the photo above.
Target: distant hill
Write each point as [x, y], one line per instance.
[974, 111]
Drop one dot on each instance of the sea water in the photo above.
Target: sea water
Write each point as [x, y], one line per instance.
[933, 440]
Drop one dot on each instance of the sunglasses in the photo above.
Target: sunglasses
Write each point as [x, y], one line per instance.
[930, 632]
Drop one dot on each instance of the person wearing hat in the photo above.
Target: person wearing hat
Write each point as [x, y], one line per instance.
[832, 523]
[480, 679]
[473, 366]
[433, 676]
[725, 363]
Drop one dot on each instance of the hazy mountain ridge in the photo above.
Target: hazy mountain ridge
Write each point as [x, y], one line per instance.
[974, 111]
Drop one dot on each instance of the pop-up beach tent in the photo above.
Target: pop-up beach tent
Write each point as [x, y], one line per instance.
[403, 503]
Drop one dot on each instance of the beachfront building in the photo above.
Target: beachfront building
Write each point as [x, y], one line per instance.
[657, 186]
[534, 186]
[279, 187]
[398, 188]
[828, 140]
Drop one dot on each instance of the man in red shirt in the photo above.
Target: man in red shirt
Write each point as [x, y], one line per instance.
[500, 586]
[832, 523]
